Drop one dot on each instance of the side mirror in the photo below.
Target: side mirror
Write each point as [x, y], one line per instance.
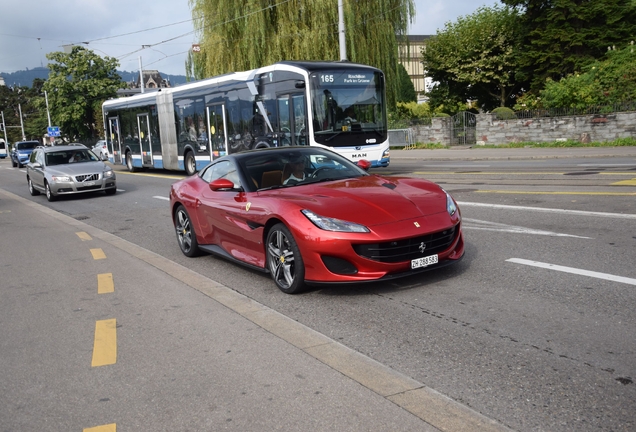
[221, 184]
[364, 164]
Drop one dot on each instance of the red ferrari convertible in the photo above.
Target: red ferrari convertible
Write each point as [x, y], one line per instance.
[307, 215]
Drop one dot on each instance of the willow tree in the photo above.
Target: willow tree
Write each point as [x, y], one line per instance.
[239, 35]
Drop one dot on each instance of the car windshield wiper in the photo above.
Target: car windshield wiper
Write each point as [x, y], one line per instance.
[275, 187]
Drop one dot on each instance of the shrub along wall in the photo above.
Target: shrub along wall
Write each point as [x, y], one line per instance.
[490, 130]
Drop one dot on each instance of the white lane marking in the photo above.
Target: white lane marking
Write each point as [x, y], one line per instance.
[161, 197]
[499, 227]
[572, 270]
[549, 210]
[457, 166]
[605, 165]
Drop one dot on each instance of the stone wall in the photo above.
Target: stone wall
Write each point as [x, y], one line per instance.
[489, 130]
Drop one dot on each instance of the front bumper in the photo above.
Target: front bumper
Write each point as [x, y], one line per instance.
[76, 187]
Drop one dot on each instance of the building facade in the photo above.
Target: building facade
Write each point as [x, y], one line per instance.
[410, 56]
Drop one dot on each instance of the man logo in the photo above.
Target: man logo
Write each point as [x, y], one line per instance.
[422, 247]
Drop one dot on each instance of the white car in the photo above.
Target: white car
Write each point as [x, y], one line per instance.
[101, 150]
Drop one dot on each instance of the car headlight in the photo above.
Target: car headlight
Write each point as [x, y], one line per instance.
[331, 224]
[62, 179]
[108, 174]
[451, 207]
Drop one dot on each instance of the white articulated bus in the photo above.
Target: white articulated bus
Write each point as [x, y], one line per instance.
[339, 105]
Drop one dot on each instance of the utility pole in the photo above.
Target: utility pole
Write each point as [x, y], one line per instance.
[341, 32]
[141, 75]
[48, 114]
[21, 122]
[4, 129]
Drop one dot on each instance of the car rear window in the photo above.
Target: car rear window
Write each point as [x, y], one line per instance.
[27, 145]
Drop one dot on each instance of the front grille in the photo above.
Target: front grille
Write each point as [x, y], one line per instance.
[87, 177]
[407, 249]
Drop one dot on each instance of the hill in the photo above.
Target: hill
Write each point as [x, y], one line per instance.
[25, 78]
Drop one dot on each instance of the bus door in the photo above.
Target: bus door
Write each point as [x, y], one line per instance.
[114, 143]
[145, 139]
[217, 131]
[292, 119]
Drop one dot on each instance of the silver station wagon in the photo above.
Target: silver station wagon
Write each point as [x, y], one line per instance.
[66, 170]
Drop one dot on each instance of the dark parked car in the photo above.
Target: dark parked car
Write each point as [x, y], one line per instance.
[21, 152]
[69, 169]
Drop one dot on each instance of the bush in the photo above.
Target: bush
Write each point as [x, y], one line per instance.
[504, 113]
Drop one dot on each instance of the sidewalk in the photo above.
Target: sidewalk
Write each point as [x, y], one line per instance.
[477, 153]
[356, 392]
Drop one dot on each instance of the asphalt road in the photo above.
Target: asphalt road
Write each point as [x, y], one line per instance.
[534, 328]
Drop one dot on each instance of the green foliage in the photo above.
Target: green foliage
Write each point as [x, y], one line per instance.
[14, 100]
[504, 113]
[239, 35]
[560, 37]
[406, 89]
[606, 82]
[78, 84]
[474, 58]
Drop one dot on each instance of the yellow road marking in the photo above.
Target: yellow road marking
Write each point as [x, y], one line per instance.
[105, 283]
[631, 182]
[84, 236]
[105, 428]
[105, 345]
[98, 254]
[5, 211]
[557, 193]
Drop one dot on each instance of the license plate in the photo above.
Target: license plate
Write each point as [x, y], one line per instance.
[424, 261]
[88, 183]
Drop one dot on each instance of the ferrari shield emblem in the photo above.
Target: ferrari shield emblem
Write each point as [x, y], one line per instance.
[247, 206]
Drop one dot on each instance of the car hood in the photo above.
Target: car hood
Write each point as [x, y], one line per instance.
[369, 200]
[78, 168]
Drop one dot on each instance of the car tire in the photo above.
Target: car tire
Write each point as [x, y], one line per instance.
[49, 194]
[190, 163]
[111, 191]
[20, 165]
[186, 236]
[33, 191]
[284, 261]
[13, 163]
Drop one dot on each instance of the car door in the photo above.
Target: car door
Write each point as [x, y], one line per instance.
[222, 212]
[36, 173]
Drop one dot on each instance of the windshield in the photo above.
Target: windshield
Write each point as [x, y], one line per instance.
[348, 107]
[70, 156]
[296, 167]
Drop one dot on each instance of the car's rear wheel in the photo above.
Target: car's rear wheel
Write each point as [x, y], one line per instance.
[33, 191]
[186, 236]
[49, 194]
[284, 261]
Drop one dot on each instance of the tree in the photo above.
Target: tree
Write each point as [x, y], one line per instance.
[16, 100]
[78, 84]
[560, 37]
[245, 34]
[473, 58]
[406, 89]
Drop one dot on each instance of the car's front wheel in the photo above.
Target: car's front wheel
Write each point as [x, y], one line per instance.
[186, 236]
[284, 261]
[33, 191]
[49, 194]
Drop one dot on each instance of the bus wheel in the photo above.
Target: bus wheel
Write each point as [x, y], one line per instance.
[129, 162]
[262, 144]
[190, 163]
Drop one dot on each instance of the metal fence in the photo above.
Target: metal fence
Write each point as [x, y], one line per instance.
[401, 138]
[562, 112]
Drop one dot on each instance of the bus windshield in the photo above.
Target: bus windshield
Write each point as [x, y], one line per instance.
[347, 107]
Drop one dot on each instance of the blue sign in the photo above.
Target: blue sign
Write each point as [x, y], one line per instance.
[53, 131]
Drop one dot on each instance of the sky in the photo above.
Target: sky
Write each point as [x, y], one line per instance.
[156, 34]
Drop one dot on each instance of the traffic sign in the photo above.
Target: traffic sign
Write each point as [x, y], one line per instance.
[53, 131]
